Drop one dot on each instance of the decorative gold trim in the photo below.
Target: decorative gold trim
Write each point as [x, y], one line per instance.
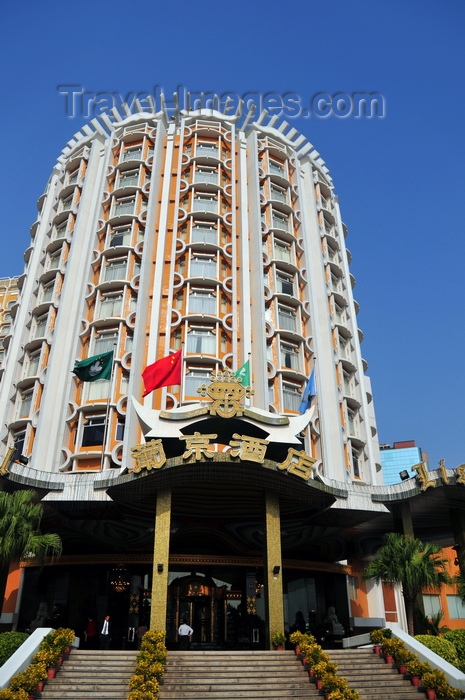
[184, 560]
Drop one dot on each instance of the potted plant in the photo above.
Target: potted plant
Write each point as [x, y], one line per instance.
[390, 648]
[378, 636]
[29, 679]
[403, 656]
[278, 640]
[297, 638]
[416, 669]
[7, 694]
[330, 682]
[323, 668]
[435, 682]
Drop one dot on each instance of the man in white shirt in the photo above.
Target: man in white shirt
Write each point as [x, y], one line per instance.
[185, 633]
[105, 634]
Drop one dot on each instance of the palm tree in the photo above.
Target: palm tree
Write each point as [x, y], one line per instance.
[410, 563]
[20, 536]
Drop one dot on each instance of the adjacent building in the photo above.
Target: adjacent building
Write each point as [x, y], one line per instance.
[397, 461]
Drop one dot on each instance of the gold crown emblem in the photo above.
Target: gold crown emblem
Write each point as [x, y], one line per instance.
[226, 391]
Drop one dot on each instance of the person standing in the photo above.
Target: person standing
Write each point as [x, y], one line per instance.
[105, 634]
[185, 633]
[91, 633]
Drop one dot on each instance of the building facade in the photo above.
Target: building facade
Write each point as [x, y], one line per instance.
[209, 500]
[401, 457]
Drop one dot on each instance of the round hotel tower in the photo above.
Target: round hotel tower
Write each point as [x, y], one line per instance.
[222, 239]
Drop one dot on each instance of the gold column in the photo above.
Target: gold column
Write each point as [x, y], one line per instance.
[161, 550]
[273, 581]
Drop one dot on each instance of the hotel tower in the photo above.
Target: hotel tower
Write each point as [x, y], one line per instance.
[223, 500]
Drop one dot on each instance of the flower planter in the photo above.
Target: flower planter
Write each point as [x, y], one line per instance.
[402, 668]
[280, 648]
[310, 673]
[319, 683]
[415, 680]
[297, 651]
[40, 686]
[377, 649]
[389, 659]
[51, 672]
[68, 651]
[430, 694]
[60, 661]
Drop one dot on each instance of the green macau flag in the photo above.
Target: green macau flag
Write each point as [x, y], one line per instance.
[95, 367]
[244, 373]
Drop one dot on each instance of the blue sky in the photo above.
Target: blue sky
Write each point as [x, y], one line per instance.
[400, 179]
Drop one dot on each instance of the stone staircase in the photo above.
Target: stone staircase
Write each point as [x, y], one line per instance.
[229, 675]
[89, 674]
[225, 675]
[372, 677]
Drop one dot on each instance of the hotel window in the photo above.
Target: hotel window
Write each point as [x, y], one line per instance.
[120, 427]
[19, 440]
[207, 149]
[132, 153]
[205, 204]
[285, 283]
[105, 342]
[93, 431]
[124, 383]
[276, 168]
[282, 251]
[351, 421]
[208, 176]
[431, 605]
[60, 231]
[120, 236]
[195, 378]
[124, 207]
[128, 179]
[116, 270]
[456, 607]
[201, 341]
[280, 221]
[41, 326]
[54, 260]
[94, 391]
[73, 177]
[287, 319]
[353, 587]
[47, 292]
[292, 396]
[356, 462]
[110, 305]
[33, 364]
[347, 379]
[289, 356]
[25, 405]
[278, 193]
[336, 283]
[67, 203]
[4, 330]
[203, 233]
[202, 302]
[203, 266]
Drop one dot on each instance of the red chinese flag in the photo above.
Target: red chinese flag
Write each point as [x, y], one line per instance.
[164, 372]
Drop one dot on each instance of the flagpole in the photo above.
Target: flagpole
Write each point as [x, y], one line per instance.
[107, 412]
[248, 402]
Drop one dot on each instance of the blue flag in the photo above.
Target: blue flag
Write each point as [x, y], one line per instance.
[309, 393]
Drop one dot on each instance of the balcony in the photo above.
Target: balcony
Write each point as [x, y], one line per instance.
[204, 151]
[205, 205]
[204, 235]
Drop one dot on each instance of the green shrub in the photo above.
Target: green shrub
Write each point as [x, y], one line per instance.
[9, 642]
[457, 637]
[442, 647]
